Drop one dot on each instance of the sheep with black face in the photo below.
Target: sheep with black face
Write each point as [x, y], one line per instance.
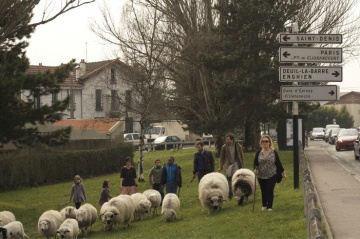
[243, 184]
[213, 189]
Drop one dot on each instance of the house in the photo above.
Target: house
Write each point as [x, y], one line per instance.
[351, 101]
[95, 87]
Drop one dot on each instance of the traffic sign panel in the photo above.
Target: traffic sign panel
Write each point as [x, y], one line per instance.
[310, 54]
[310, 73]
[310, 38]
[309, 93]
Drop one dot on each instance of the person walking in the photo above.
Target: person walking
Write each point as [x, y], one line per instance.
[266, 165]
[171, 176]
[232, 159]
[128, 180]
[77, 194]
[203, 161]
[105, 193]
[155, 178]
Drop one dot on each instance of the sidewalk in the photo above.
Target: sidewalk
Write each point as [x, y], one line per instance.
[338, 193]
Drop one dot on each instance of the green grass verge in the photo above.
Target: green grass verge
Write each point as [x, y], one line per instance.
[233, 221]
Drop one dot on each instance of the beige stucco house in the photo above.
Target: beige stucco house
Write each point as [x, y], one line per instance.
[351, 101]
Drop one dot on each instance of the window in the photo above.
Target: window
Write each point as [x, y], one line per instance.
[37, 103]
[128, 100]
[112, 76]
[98, 95]
[114, 105]
[54, 97]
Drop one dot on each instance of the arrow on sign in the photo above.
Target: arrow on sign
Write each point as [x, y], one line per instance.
[331, 93]
[336, 74]
[286, 54]
[285, 38]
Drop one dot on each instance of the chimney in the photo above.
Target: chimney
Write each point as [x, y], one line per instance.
[82, 69]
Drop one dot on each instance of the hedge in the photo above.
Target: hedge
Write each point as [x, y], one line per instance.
[48, 168]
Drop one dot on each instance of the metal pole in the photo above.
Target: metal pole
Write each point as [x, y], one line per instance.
[295, 111]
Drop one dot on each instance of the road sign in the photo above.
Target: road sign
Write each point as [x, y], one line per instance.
[310, 38]
[310, 54]
[310, 73]
[309, 93]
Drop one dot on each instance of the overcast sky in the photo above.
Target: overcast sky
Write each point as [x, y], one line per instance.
[69, 37]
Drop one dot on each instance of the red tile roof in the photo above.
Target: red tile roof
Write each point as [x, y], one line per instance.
[93, 68]
[100, 125]
[352, 97]
[42, 69]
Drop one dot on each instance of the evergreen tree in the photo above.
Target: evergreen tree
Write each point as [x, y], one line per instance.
[19, 119]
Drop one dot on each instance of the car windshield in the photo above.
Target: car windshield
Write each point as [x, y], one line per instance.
[335, 131]
[318, 130]
[153, 130]
[348, 132]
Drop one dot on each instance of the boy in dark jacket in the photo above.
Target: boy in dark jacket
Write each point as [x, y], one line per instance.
[203, 161]
[171, 176]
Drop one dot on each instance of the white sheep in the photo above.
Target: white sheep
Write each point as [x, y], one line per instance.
[243, 184]
[118, 210]
[13, 230]
[69, 229]
[142, 205]
[170, 207]
[6, 217]
[68, 212]
[213, 189]
[49, 222]
[154, 197]
[86, 216]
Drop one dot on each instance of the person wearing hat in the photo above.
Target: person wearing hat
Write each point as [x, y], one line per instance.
[128, 179]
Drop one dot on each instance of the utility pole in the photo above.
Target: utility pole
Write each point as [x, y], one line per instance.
[295, 112]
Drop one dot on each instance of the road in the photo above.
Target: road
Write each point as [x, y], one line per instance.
[344, 157]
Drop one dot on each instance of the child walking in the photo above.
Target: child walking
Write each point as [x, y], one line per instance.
[155, 177]
[77, 194]
[105, 193]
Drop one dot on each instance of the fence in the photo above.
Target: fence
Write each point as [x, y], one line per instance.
[311, 208]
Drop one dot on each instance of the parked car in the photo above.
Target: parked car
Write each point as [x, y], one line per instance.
[357, 147]
[134, 138]
[346, 138]
[170, 141]
[333, 134]
[317, 133]
[327, 129]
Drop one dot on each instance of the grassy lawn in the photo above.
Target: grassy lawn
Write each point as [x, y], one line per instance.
[233, 221]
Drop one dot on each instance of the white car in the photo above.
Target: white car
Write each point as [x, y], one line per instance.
[317, 133]
[134, 138]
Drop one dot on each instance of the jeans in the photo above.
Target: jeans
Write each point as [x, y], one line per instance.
[267, 187]
[171, 187]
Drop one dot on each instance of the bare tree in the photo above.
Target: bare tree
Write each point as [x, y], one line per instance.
[139, 41]
[13, 12]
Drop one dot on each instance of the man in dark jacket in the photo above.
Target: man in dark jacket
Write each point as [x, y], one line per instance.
[203, 161]
[171, 176]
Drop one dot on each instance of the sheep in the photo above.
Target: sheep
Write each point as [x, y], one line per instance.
[154, 197]
[170, 207]
[13, 230]
[68, 212]
[116, 211]
[6, 217]
[243, 184]
[213, 188]
[86, 216]
[49, 222]
[142, 205]
[69, 229]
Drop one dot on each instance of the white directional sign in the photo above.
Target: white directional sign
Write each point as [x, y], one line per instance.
[309, 93]
[310, 54]
[310, 38]
[310, 73]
